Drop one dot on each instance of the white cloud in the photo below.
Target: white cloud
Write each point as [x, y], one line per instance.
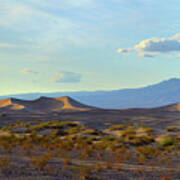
[160, 45]
[144, 55]
[123, 50]
[151, 47]
[176, 37]
[29, 71]
[67, 77]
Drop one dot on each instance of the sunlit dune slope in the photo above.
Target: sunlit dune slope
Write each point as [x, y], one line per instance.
[172, 108]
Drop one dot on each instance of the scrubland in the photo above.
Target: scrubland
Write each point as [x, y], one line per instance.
[62, 149]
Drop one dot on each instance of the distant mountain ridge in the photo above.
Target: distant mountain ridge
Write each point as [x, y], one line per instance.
[161, 94]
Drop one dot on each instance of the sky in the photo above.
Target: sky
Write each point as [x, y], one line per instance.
[77, 45]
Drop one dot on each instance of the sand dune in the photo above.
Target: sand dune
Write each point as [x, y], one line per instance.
[47, 105]
[172, 108]
[43, 104]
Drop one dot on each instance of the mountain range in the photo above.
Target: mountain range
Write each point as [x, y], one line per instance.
[161, 94]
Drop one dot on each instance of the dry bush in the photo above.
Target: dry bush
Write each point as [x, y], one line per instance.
[165, 177]
[128, 132]
[66, 163]
[41, 162]
[118, 167]
[168, 141]
[147, 151]
[108, 165]
[172, 129]
[84, 172]
[98, 167]
[119, 127]
[5, 164]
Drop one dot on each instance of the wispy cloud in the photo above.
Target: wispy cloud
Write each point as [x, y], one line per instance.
[42, 32]
[7, 45]
[145, 55]
[67, 77]
[29, 71]
[63, 4]
[121, 50]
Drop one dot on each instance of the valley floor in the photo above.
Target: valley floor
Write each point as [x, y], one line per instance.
[102, 145]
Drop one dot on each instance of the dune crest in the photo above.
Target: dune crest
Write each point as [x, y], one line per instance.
[5, 102]
[69, 103]
[11, 104]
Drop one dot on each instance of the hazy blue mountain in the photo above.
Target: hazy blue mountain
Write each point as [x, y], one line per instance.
[166, 92]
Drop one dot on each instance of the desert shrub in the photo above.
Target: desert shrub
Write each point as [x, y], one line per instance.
[168, 141]
[67, 144]
[73, 130]
[98, 167]
[128, 132]
[172, 129]
[108, 138]
[7, 128]
[35, 139]
[7, 143]
[66, 162]
[54, 125]
[86, 152]
[93, 132]
[165, 177]
[5, 164]
[58, 132]
[26, 125]
[84, 172]
[100, 146]
[120, 154]
[27, 148]
[147, 129]
[147, 151]
[119, 167]
[119, 127]
[91, 139]
[139, 140]
[107, 142]
[40, 162]
[3, 115]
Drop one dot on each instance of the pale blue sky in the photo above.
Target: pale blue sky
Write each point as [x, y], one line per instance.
[69, 45]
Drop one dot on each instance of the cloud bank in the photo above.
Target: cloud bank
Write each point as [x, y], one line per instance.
[151, 47]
